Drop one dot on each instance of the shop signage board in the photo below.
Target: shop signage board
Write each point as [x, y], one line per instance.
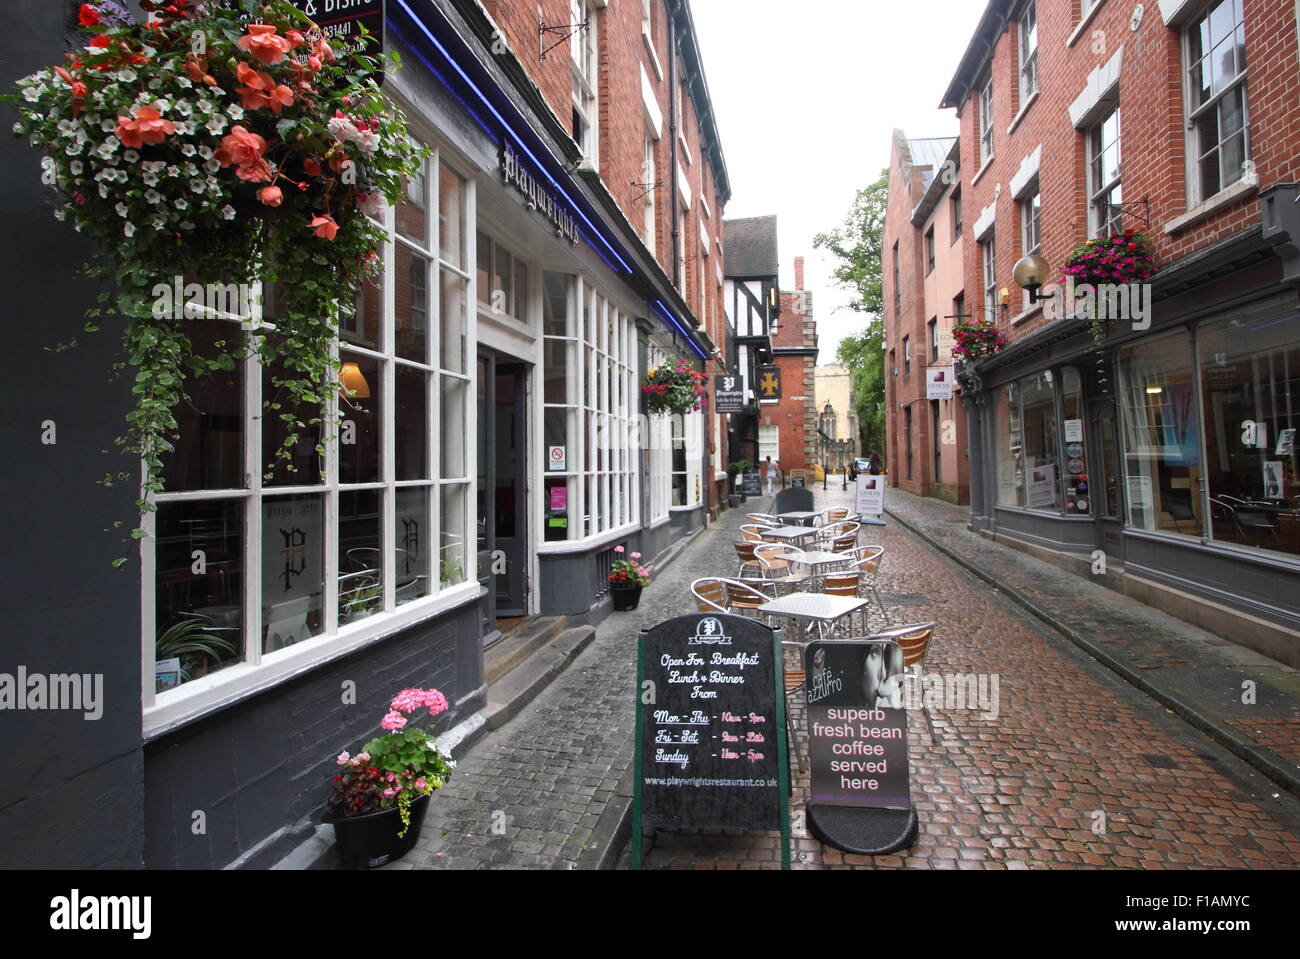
[857, 728]
[710, 729]
[728, 394]
[769, 384]
[537, 196]
[938, 383]
[342, 22]
[870, 496]
[752, 484]
[1042, 486]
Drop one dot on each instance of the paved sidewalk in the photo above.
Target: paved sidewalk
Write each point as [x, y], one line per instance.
[1195, 673]
[542, 791]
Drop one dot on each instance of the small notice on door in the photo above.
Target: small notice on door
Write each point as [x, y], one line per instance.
[555, 459]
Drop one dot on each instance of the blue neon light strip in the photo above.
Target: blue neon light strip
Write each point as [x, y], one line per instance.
[515, 136]
[673, 320]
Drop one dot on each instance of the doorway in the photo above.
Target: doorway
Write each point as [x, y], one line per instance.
[502, 488]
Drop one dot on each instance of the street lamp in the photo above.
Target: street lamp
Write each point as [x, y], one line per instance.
[1031, 273]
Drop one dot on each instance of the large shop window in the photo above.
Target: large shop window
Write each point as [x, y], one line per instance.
[1162, 461]
[1250, 388]
[590, 405]
[1042, 461]
[250, 555]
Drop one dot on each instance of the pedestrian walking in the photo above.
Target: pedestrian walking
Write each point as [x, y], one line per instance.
[874, 466]
[770, 470]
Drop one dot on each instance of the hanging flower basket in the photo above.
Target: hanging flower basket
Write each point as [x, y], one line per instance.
[674, 388]
[1105, 263]
[976, 339]
[221, 144]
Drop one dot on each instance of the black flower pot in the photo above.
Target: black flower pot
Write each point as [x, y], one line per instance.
[370, 840]
[625, 597]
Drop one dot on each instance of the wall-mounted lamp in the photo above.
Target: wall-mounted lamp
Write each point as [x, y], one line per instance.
[1031, 272]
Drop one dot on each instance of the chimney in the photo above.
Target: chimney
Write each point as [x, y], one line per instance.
[798, 273]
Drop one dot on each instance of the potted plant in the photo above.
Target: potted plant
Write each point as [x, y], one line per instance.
[381, 794]
[627, 578]
[738, 468]
[674, 388]
[192, 647]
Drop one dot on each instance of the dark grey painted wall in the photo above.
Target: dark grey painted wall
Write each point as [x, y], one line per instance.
[71, 790]
[265, 765]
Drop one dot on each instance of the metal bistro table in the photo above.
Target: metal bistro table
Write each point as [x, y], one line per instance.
[794, 535]
[814, 608]
[815, 559]
[800, 517]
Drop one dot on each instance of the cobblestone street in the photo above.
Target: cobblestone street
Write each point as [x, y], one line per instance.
[1079, 768]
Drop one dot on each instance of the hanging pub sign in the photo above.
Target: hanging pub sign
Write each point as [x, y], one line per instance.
[938, 383]
[342, 21]
[769, 384]
[870, 498]
[538, 197]
[728, 394]
[710, 728]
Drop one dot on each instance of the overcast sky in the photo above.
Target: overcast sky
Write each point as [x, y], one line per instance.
[806, 95]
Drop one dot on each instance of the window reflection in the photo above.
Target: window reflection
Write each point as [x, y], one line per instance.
[209, 452]
[293, 569]
[361, 592]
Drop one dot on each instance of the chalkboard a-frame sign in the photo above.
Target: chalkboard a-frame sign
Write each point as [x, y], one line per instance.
[711, 750]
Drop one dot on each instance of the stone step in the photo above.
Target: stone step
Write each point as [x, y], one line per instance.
[512, 649]
[517, 688]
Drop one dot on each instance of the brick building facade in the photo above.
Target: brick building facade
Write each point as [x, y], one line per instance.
[794, 350]
[925, 448]
[1159, 438]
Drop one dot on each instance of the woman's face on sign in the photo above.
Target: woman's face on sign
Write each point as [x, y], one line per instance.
[874, 673]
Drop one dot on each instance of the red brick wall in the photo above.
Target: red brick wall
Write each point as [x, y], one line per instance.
[1152, 134]
[796, 413]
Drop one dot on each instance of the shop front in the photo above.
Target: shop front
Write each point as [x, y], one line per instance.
[1162, 460]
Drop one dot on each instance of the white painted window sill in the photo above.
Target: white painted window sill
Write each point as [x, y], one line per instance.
[1083, 24]
[1033, 98]
[1241, 188]
[987, 163]
[1027, 313]
[650, 48]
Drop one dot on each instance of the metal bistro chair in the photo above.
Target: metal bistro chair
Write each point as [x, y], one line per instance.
[914, 638]
[763, 519]
[749, 564]
[710, 595]
[719, 595]
[831, 515]
[845, 584]
[794, 680]
[827, 535]
[867, 566]
[779, 562]
[753, 532]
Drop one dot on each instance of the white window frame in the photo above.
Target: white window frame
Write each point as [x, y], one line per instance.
[585, 57]
[986, 121]
[257, 669]
[1196, 152]
[1097, 224]
[649, 172]
[769, 443]
[518, 293]
[988, 261]
[601, 415]
[1027, 31]
[660, 458]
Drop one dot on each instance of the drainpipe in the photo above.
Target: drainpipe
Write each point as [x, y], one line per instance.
[672, 140]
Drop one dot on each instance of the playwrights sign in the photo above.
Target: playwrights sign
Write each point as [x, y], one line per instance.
[538, 197]
[728, 394]
[342, 21]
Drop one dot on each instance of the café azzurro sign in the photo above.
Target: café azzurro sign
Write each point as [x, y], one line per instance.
[538, 197]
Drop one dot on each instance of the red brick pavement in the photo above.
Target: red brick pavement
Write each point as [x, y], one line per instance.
[1071, 744]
